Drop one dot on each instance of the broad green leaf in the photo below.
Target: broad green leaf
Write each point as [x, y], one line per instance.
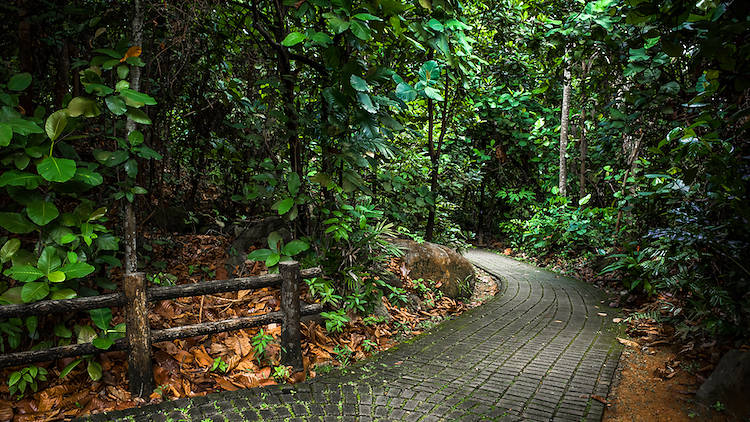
[23, 126]
[16, 223]
[360, 30]
[63, 294]
[42, 212]
[6, 134]
[103, 343]
[338, 24]
[11, 296]
[107, 242]
[98, 213]
[274, 241]
[9, 249]
[95, 370]
[19, 81]
[88, 177]
[119, 86]
[123, 71]
[98, 89]
[293, 183]
[295, 247]
[138, 116]
[273, 259]
[56, 169]
[429, 72]
[116, 105]
[405, 92]
[292, 39]
[137, 98]
[22, 161]
[24, 273]
[56, 123]
[62, 235]
[70, 367]
[32, 323]
[56, 276]
[359, 84]
[427, 4]
[101, 317]
[14, 378]
[366, 102]
[82, 106]
[48, 260]
[435, 25]
[135, 138]
[321, 38]
[86, 335]
[366, 17]
[20, 178]
[77, 270]
[259, 254]
[285, 205]
[61, 330]
[456, 24]
[34, 291]
[110, 158]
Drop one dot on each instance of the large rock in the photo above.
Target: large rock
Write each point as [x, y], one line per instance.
[249, 233]
[441, 264]
[729, 384]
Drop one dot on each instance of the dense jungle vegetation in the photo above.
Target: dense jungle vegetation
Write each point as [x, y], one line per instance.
[611, 131]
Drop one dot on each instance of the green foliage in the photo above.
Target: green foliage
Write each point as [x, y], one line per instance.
[335, 320]
[219, 365]
[26, 378]
[343, 355]
[281, 373]
[278, 251]
[260, 341]
[557, 227]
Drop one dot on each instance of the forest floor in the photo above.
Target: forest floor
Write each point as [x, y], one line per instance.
[226, 361]
[659, 371]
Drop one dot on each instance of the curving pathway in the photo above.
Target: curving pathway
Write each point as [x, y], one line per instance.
[538, 351]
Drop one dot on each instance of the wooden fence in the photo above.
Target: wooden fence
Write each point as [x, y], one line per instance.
[139, 336]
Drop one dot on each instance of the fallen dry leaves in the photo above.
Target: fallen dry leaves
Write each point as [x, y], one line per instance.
[182, 368]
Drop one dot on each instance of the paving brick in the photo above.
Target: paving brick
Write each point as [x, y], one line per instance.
[508, 360]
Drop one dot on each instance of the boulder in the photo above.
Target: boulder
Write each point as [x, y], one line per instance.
[438, 263]
[249, 233]
[729, 384]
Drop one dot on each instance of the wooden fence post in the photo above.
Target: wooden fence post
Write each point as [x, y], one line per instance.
[291, 347]
[140, 374]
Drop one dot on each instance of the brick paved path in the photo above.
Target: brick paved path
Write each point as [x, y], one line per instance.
[537, 351]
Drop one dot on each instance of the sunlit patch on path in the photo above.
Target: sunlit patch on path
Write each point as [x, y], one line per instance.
[542, 349]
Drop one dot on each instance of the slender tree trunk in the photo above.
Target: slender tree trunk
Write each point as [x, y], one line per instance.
[63, 74]
[632, 165]
[430, 228]
[584, 146]
[131, 258]
[564, 122]
[25, 50]
[435, 153]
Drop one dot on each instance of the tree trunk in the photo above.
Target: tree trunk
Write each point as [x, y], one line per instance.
[584, 146]
[25, 53]
[435, 153]
[63, 74]
[564, 122]
[430, 228]
[131, 259]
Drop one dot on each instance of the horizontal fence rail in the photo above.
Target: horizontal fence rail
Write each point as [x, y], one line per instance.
[154, 294]
[139, 336]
